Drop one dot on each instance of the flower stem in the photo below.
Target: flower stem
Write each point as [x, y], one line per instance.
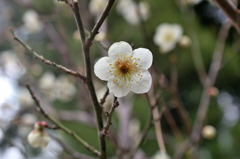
[88, 67]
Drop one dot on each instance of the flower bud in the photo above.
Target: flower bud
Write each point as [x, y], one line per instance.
[38, 137]
[212, 91]
[208, 132]
[161, 155]
[101, 36]
[185, 41]
[40, 125]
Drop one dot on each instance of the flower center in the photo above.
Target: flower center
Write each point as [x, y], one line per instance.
[125, 70]
[168, 37]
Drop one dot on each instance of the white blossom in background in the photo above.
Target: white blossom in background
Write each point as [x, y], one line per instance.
[97, 6]
[38, 137]
[130, 11]
[160, 155]
[57, 88]
[32, 22]
[36, 70]
[167, 36]
[64, 88]
[12, 153]
[11, 65]
[28, 119]
[8, 99]
[24, 97]
[47, 85]
[208, 132]
[125, 69]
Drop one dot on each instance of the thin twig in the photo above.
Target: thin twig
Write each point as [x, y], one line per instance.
[205, 98]
[213, 71]
[46, 61]
[176, 98]
[103, 100]
[100, 21]
[157, 122]
[75, 9]
[182, 149]
[109, 117]
[61, 126]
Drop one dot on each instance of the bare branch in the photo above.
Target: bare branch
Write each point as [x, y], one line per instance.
[46, 61]
[61, 126]
[75, 9]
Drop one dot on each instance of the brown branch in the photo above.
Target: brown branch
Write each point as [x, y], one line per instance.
[213, 71]
[231, 11]
[61, 126]
[88, 67]
[176, 98]
[156, 121]
[46, 61]
[205, 98]
[75, 8]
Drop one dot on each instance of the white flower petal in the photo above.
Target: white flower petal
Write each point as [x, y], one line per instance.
[120, 49]
[166, 47]
[143, 85]
[116, 90]
[145, 57]
[177, 31]
[101, 69]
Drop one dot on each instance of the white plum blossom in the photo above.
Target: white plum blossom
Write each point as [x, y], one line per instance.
[125, 69]
[57, 88]
[38, 137]
[11, 65]
[24, 97]
[130, 11]
[28, 119]
[161, 155]
[64, 88]
[167, 36]
[32, 22]
[97, 6]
